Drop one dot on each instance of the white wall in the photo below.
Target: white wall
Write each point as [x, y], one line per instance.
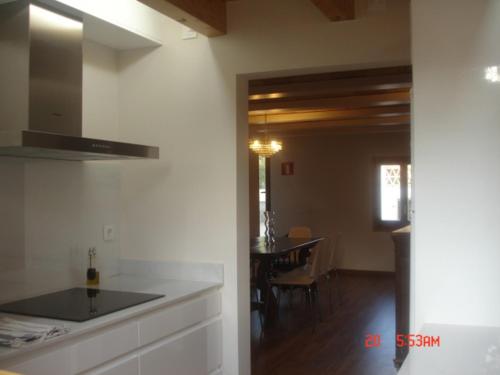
[193, 203]
[456, 276]
[11, 215]
[53, 211]
[100, 91]
[332, 190]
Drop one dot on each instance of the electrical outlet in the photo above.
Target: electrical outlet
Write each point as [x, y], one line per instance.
[108, 232]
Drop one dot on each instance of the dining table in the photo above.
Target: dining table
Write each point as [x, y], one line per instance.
[268, 253]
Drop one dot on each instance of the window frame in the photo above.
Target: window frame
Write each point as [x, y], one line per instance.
[380, 225]
[267, 177]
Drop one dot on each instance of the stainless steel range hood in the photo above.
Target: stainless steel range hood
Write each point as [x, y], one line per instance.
[41, 89]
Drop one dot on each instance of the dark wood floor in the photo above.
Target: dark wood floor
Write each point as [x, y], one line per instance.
[290, 347]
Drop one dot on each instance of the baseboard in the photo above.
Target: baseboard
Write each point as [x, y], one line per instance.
[345, 271]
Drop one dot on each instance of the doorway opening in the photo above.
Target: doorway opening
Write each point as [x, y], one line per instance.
[343, 178]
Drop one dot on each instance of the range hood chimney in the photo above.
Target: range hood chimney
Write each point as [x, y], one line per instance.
[41, 89]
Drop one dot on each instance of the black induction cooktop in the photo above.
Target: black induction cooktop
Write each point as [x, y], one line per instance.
[77, 304]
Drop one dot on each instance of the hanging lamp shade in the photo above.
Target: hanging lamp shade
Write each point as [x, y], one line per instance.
[265, 147]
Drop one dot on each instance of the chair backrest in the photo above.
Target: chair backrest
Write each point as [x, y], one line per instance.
[334, 249]
[319, 259]
[254, 269]
[300, 232]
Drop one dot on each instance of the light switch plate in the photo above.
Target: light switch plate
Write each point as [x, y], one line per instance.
[188, 33]
[108, 232]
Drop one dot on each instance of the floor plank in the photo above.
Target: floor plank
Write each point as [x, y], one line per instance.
[337, 345]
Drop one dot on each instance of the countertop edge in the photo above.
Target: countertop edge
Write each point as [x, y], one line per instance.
[12, 356]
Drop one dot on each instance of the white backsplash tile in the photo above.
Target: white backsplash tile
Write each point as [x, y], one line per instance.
[192, 271]
[57, 210]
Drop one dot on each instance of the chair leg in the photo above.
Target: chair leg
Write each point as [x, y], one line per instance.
[339, 293]
[330, 298]
[317, 301]
[307, 299]
[278, 302]
[266, 304]
[255, 292]
[261, 321]
[311, 300]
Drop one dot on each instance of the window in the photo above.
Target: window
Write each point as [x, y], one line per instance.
[392, 193]
[264, 191]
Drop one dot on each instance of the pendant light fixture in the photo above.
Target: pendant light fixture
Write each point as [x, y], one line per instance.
[265, 147]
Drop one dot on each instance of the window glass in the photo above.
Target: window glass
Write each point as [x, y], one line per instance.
[390, 192]
[262, 193]
[409, 193]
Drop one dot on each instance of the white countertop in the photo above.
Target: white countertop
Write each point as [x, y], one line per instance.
[463, 350]
[174, 291]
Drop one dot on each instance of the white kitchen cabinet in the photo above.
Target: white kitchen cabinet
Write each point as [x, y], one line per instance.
[50, 363]
[180, 339]
[107, 345]
[166, 322]
[126, 366]
[195, 353]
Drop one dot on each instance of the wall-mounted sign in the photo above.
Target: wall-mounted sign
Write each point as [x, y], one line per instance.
[287, 168]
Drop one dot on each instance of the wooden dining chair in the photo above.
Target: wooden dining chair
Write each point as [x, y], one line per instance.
[255, 300]
[306, 278]
[292, 260]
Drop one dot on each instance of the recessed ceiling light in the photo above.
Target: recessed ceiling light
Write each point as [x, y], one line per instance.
[492, 74]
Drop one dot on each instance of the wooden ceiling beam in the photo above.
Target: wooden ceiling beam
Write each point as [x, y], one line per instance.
[330, 76]
[332, 87]
[344, 130]
[348, 102]
[315, 125]
[276, 118]
[361, 101]
[340, 130]
[208, 17]
[336, 10]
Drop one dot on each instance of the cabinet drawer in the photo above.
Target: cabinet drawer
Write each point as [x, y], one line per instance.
[198, 352]
[176, 318]
[104, 346]
[126, 366]
[55, 362]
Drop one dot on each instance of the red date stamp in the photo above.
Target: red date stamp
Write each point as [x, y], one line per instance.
[410, 341]
[372, 341]
[418, 341]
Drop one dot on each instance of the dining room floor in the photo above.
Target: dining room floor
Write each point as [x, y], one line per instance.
[337, 345]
